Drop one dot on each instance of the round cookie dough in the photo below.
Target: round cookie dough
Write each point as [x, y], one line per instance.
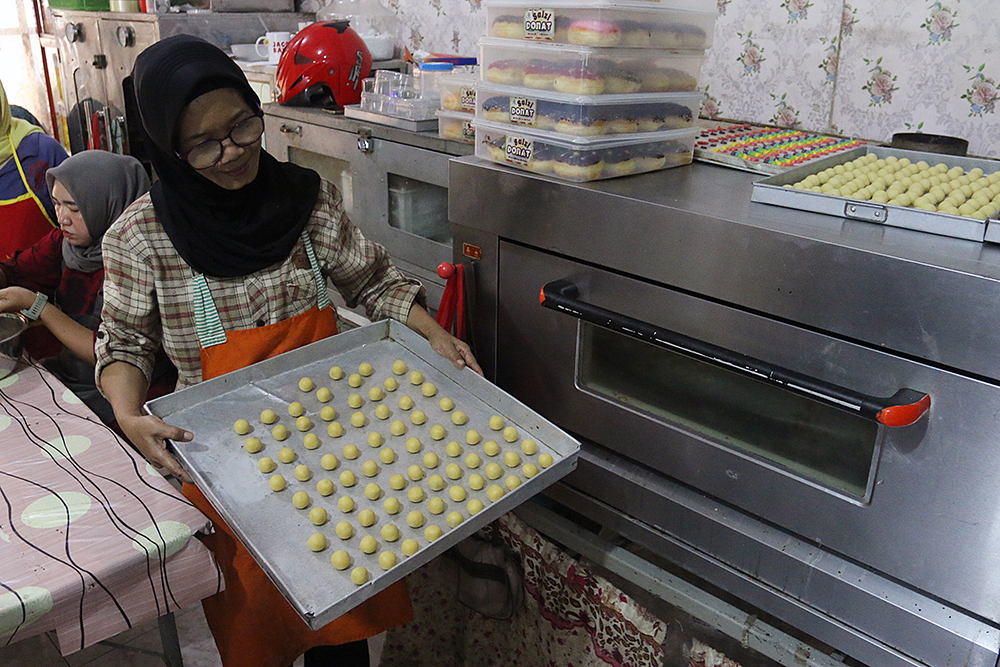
[496, 422]
[416, 377]
[494, 492]
[318, 516]
[336, 373]
[529, 447]
[376, 394]
[418, 417]
[382, 412]
[510, 434]
[390, 384]
[324, 395]
[397, 427]
[369, 468]
[513, 482]
[405, 402]
[472, 460]
[348, 479]
[446, 404]
[414, 519]
[355, 380]
[453, 471]
[428, 389]
[511, 459]
[475, 506]
[317, 541]
[279, 433]
[437, 433]
[329, 462]
[397, 482]
[529, 469]
[351, 452]
[340, 559]
[398, 367]
[252, 445]
[373, 491]
[366, 369]
[277, 483]
[409, 547]
[295, 409]
[493, 470]
[431, 533]
[242, 427]
[387, 455]
[413, 445]
[387, 560]
[359, 575]
[305, 384]
[358, 419]
[355, 401]
[457, 493]
[545, 460]
[476, 482]
[472, 437]
[303, 473]
[266, 465]
[436, 482]
[435, 505]
[415, 472]
[390, 533]
[454, 519]
[328, 414]
[366, 517]
[416, 494]
[345, 504]
[311, 441]
[269, 416]
[334, 430]
[392, 505]
[459, 418]
[286, 455]
[368, 544]
[452, 448]
[431, 460]
[324, 487]
[491, 448]
[303, 423]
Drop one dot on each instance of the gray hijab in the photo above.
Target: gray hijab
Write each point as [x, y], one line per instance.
[103, 185]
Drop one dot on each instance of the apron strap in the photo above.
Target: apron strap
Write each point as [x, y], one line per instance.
[207, 322]
[24, 179]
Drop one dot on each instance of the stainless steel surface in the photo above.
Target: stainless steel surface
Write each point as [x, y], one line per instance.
[428, 125]
[274, 531]
[11, 328]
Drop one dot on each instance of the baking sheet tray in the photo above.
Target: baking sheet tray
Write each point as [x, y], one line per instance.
[771, 191]
[275, 532]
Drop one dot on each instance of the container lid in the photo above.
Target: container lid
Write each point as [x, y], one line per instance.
[551, 49]
[454, 115]
[436, 67]
[589, 143]
[689, 98]
[705, 6]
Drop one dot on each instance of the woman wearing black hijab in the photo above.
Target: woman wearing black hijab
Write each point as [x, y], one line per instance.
[226, 263]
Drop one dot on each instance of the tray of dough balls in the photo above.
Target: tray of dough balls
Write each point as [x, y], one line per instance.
[587, 116]
[928, 192]
[582, 159]
[346, 464]
[641, 25]
[582, 70]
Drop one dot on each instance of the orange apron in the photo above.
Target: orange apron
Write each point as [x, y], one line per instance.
[252, 623]
[25, 220]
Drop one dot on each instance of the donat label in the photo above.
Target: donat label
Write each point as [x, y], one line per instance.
[540, 24]
[522, 110]
[519, 150]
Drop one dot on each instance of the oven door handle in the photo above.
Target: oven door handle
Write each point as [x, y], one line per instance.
[903, 408]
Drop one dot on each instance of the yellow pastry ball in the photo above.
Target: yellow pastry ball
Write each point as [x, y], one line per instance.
[435, 505]
[493, 470]
[376, 394]
[431, 533]
[418, 417]
[392, 505]
[324, 487]
[318, 516]
[475, 506]
[242, 427]
[387, 560]
[416, 494]
[358, 420]
[311, 441]
[317, 541]
[453, 449]
[295, 409]
[511, 459]
[252, 445]
[513, 482]
[279, 433]
[348, 479]
[340, 559]
[529, 469]
[336, 373]
[374, 439]
[454, 519]
[373, 491]
[329, 462]
[545, 459]
[366, 369]
[269, 416]
[476, 482]
[415, 472]
[367, 517]
[390, 533]
[355, 380]
[472, 460]
[390, 384]
[359, 575]
[431, 460]
[472, 437]
[303, 473]
[335, 430]
[437, 433]
[453, 471]
[355, 401]
[415, 519]
[345, 504]
[397, 427]
[344, 530]
[529, 447]
[277, 483]
[397, 482]
[436, 482]
[496, 422]
[457, 493]
[447, 404]
[286, 455]
[428, 389]
[458, 418]
[351, 452]
[398, 367]
[305, 384]
[324, 395]
[266, 464]
[510, 434]
[303, 423]
[416, 377]
[382, 412]
[491, 448]
[387, 455]
[405, 402]
[368, 544]
[494, 492]
[409, 547]
[413, 445]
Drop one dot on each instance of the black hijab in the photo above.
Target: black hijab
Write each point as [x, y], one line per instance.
[219, 232]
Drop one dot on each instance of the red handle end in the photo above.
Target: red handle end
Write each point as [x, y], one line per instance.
[904, 415]
[446, 270]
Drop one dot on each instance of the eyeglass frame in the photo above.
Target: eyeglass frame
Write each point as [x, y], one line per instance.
[222, 149]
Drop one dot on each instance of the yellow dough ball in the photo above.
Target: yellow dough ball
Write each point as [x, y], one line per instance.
[392, 505]
[311, 441]
[266, 464]
[454, 519]
[336, 373]
[491, 448]
[494, 492]
[409, 547]
[303, 423]
[382, 412]
[397, 427]
[387, 560]
[437, 433]
[453, 449]
[416, 494]
[329, 462]
[457, 493]
[398, 367]
[355, 401]
[415, 472]
[413, 445]
[340, 559]
[435, 505]
[472, 437]
[453, 471]
[418, 417]
[496, 422]
[387, 455]
[348, 479]
[335, 430]
[458, 418]
[405, 402]
[376, 394]
[375, 439]
[416, 377]
[286, 455]
[431, 533]
[513, 482]
[368, 544]
[324, 395]
[475, 506]
[476, 482]
[436, 482]
[279, 433]
[318, 516]
[242, 427]
[252, 445]
[529, 469]
[324, 487]
[295, 409]
[397, 482]
[351, 452]
[428, 389]
[303, 473]
[317, 541]
[510, 434]
[511, 459]
[269, 416]
[373, 491]
[529, 447]
[359, 575]
[390, 533]
[355, 380]
[277, 483]
[366, 369]
[345, 504]
[431, 460]
[390, 384]
[305, 384]
[472, 460]
[358, 420]
[415, 519]
[366, 517]
[493, 470]
[446, 404]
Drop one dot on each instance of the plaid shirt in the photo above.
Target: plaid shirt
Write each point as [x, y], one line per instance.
[148, 298]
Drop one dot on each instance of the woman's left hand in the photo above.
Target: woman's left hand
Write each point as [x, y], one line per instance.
[456, 351]
[16, 299]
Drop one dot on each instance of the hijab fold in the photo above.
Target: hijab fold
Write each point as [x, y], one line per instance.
[219, 232]
[12, 130]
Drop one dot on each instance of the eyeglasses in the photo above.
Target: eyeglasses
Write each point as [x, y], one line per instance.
[208, 153]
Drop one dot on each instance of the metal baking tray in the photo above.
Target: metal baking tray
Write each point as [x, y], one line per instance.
[771, 191]
[275, 532]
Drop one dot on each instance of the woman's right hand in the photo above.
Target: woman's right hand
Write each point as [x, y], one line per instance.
[150, 434]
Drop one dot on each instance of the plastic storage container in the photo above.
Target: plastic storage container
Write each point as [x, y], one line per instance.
[580, 70]
[583, 158]
[456, 125]
[580, 115]
[458, 92]
[426, 77]
[644, 25]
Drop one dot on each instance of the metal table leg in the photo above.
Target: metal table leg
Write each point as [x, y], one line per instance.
[168, 638]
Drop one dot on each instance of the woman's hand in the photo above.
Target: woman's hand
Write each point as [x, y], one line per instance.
[150, 434]
[456, 351]
[16, 299]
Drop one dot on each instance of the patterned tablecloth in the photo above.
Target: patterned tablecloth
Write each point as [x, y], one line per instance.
[92, 539]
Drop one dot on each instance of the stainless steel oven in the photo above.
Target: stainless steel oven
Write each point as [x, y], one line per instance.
[801, 411]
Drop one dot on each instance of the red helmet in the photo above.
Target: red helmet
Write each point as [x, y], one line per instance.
[323, 65]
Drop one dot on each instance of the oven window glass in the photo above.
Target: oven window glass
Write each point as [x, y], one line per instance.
[335, 170]
[419, 208]
[814, 440]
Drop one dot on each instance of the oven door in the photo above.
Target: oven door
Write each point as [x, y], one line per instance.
[903, 500]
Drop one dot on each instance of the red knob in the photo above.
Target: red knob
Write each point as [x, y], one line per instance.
[446, 270]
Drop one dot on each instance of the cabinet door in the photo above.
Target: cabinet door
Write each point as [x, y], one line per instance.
[79, 43]
[122, 41]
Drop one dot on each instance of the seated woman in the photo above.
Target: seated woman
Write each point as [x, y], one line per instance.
[58, 280]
